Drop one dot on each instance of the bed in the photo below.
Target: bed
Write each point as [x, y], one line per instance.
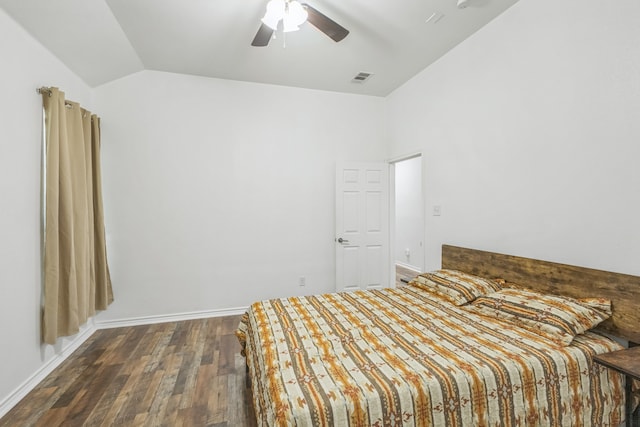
[418, 356]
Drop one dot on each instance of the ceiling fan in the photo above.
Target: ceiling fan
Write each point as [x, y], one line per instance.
[293, 14]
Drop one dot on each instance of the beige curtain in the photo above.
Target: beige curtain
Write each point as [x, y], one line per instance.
[76, 274]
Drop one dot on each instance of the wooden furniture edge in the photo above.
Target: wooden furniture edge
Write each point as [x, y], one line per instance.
[561, 279]
[626, 361]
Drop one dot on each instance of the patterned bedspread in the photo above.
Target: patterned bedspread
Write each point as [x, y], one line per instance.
[402, 357]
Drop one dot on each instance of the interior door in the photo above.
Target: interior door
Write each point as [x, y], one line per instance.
[362, 226]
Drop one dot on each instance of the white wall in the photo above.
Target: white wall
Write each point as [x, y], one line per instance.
[26, 65]
[219, 193]
[531, 134]
[529, 128]
[409, 210]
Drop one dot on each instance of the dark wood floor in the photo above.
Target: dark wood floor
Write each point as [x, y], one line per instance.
[186, 373]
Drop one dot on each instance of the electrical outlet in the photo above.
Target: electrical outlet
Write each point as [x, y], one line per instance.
[302, 281]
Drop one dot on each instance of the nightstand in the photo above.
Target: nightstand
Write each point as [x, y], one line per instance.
[627, 362]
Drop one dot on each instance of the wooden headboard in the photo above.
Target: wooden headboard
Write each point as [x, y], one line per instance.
[623, 290]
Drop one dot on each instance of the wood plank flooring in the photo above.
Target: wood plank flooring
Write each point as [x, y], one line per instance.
[404, 273]
[186, 373]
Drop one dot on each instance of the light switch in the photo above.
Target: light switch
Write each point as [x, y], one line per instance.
[437, 210]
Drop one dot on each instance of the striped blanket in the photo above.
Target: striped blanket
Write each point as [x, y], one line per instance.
[403, 357]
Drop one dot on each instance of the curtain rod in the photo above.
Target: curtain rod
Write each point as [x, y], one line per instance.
[43, 89]
[48, 91]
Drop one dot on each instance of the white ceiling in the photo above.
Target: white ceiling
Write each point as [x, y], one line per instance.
[102, 40]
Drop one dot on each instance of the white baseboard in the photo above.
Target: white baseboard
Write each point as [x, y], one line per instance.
[164, 318]
[23, 389]
[409, 267]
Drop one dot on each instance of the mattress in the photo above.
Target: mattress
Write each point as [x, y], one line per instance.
[404, 357]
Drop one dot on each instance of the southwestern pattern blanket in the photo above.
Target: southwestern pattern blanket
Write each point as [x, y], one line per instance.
[405, 357]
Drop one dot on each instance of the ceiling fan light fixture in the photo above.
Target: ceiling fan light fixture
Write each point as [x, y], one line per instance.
[275, 12]
[290, 12]
[295, 13]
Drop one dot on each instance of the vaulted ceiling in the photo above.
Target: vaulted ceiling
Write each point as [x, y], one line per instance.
[103, 40]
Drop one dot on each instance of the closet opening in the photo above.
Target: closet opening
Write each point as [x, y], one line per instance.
[407, 218]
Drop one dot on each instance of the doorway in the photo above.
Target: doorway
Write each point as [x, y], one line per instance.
[407, 218]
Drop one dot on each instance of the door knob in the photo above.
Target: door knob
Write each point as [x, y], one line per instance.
[341, 240]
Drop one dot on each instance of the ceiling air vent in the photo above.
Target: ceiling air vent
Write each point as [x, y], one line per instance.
[361, 77]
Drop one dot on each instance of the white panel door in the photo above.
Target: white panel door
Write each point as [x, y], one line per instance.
[362, 226]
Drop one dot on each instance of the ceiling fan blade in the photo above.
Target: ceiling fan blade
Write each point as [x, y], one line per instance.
[325, 24]
[262, 36]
